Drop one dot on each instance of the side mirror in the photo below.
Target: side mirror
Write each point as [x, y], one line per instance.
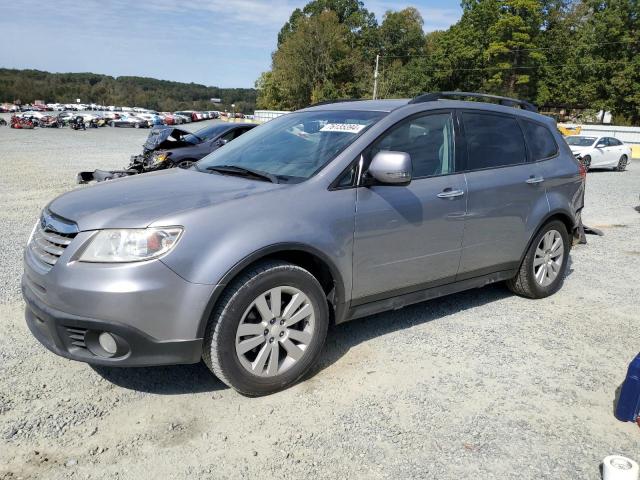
[391, 168]
[600, 145]
[221, 141]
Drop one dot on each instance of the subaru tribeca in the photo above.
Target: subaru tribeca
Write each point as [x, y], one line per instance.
[327, 214]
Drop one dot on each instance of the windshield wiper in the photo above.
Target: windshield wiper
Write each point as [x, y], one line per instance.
[243, 172]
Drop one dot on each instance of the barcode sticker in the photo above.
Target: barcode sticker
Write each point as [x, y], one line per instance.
[342, 127]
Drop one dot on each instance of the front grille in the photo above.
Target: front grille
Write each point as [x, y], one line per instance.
[76, 336]
[47, 245]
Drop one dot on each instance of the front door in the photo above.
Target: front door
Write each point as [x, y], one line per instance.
[408, 237]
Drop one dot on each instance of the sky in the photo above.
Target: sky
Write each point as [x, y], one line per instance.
[224, 43]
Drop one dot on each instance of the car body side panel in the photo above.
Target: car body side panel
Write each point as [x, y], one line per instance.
[323, 222]
[564, 187]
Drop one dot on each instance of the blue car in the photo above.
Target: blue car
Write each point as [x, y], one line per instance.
[628, 408]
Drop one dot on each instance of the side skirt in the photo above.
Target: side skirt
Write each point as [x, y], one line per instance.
[399, 301]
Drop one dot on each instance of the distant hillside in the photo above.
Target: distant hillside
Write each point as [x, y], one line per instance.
[162, 95]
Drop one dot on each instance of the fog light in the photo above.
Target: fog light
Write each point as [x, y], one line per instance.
[108, 343]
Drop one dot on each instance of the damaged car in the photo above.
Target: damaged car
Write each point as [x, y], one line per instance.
[170, 148]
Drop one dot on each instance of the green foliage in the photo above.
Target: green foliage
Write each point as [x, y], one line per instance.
[161, 95]
[570, 53]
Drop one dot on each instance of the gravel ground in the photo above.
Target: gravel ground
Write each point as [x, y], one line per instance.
[482, 384]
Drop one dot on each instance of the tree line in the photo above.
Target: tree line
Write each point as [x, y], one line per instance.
[160, 95]
[576, 54]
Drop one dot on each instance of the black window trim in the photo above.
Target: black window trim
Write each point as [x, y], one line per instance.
[464, 135]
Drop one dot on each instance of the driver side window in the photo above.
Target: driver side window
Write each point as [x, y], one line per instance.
[428, 139]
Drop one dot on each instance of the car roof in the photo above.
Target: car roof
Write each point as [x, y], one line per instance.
[394, 104]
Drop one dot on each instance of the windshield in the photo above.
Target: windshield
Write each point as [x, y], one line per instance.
[580, 141]
[206, 133]
[294, 146]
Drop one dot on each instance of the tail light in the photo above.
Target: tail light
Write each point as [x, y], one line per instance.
[583, 170]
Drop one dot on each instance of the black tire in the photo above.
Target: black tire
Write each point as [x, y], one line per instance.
[622, 163]
[136, 125]
[524, 283]
[219, 350]
[586, 162]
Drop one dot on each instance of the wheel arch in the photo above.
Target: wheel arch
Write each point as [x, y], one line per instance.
[558, 214]
[302, 255]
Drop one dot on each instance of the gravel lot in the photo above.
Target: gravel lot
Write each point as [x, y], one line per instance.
[482, 384]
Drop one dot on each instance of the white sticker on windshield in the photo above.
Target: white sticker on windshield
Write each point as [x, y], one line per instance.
[342, 127]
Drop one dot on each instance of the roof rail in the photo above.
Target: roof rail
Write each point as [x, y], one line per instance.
[338, 100]
[506, 101]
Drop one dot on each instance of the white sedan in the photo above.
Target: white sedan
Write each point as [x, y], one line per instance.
[600, 152]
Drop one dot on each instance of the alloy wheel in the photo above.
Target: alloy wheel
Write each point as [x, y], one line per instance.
[548, 259]
[275, 331]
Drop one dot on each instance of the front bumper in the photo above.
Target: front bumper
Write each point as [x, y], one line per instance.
[76, 337]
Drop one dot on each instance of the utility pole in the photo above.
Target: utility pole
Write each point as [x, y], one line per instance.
[375, 78]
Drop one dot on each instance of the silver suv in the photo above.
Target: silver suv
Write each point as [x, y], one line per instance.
[327, 214]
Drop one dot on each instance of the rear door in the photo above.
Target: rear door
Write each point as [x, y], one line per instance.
[408, 238]
[616, 149]
[503, 191]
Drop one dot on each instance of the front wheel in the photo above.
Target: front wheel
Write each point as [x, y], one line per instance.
[185, 164]
[268, 329]
[622, 163]
[586, 162]
[543, 269]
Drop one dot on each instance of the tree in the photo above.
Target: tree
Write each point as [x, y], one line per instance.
[513, 54]
[307, 71]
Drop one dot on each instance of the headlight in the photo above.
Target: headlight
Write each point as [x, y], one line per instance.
[160, 157]
[131, 245]
[33, 231]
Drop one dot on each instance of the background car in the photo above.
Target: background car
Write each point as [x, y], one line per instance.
[185, 115]
[600, 152]
[153, 119]
[191, 147]
[131, 121]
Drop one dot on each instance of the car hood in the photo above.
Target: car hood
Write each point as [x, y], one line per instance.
[139, 200]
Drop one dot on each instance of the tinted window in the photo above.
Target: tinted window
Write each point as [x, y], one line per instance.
[493, 140]
[539, 141]
[614, 142]
[427, 139]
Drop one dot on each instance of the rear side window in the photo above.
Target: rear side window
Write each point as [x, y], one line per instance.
[539, 140]
[493, 141]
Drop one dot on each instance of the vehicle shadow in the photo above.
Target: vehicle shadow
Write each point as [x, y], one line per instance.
[185, 379]
[342, 338]
[166, 380]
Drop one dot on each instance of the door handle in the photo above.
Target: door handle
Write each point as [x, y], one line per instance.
[534, 180]
[448, 193]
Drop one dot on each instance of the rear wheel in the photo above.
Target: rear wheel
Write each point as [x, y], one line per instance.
[543, 269]
[268, 329]
[622, 163]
